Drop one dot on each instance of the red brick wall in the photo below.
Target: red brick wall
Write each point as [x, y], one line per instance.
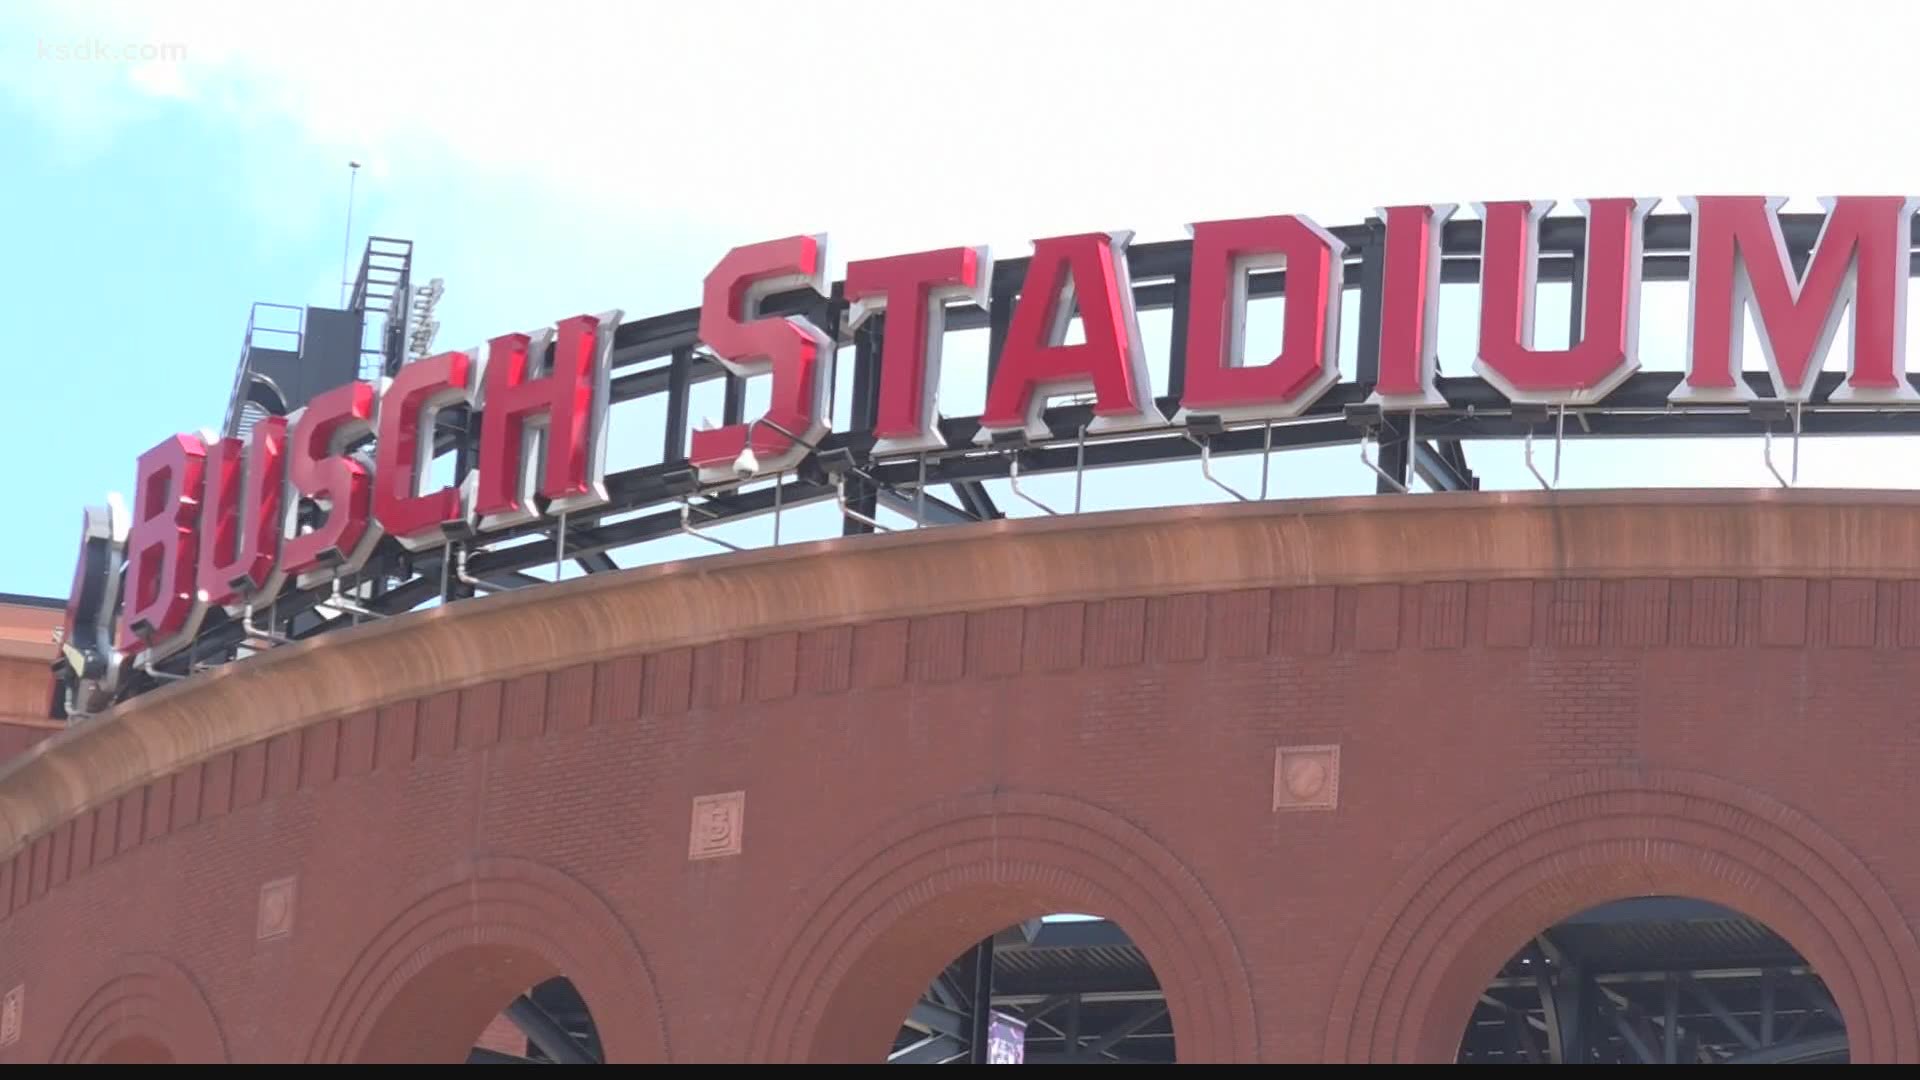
[1490, 757]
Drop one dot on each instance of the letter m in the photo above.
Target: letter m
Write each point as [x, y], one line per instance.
[1740, 265]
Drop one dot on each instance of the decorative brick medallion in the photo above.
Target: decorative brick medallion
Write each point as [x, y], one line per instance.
[717, 821]
[1306, 778]
[13, 1009]
[276, 909]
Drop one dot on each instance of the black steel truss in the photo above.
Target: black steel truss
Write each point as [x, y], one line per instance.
[659, 356]
[1648, 980]
[1656, 981]
[1085, 993]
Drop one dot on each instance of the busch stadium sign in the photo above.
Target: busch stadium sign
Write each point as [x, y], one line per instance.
[229, 524]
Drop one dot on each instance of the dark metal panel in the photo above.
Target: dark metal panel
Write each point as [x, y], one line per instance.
[329, 354]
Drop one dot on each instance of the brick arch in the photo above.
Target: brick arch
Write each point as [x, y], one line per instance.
[470, 939]
[151, 1011]
[912, 897]
[1612, 834]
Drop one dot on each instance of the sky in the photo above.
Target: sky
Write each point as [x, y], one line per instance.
[164, 166]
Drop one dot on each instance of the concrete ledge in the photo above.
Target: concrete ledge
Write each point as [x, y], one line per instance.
[1463, 536]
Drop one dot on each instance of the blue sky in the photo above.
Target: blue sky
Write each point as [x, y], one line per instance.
[597, 156]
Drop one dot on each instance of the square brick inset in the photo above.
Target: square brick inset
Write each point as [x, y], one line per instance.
[717, 823]
[276, 909]
[13, 1009]
[1306, 778]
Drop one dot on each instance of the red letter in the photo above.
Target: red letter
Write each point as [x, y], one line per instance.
[1740, 263]
[799, 354]
[1410, 308]
[1609, 347]
[238, 549]
[1218, 378]
[567, 406]
[319, 468]
[914, 290]
[408, 407]
[1092, 269]
[161, 547]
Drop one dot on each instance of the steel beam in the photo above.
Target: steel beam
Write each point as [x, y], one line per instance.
[1670, 1028]
[1766, 1008]
[1817, 1048]
[973, 495]
[1140, 1018]
[947, 991]
[938, 1019]
[1641, 1048]
[1438, 470]
[598, 562]
[545, 1032]
[1712, 1002]
[980, 1005]
[1809, 989]
[933, 1050]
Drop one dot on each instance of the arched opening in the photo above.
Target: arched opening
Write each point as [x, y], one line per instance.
[550, 1024]
[485, 1004]
[1054, 989]
[1656, 980]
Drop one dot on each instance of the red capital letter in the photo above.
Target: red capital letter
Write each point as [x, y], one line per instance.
[913, 291]
[241, 525]
[799, 354]
[1410, 308]
[1218, 377]
[1740, 263]
[408, 407]
[1609, 347]
[567, 406]
[1090, 268]
[161, 545]
[319, 468]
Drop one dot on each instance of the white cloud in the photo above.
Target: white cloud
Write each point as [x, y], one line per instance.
[643, 139]
[895, 124]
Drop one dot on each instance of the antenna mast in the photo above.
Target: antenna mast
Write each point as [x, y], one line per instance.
[346, 242]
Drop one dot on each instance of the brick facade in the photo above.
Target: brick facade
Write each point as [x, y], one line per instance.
[28, 647]
[1326, 812]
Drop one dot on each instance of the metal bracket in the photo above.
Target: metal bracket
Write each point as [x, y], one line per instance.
[1559, 437]
[840, 488]
[460, 574]
[1013, 478]
[1371, 433]
[158, 675]
[351, 607]
[1767, 451]
[261, 633]
[686, 526]
[1079, 466]
[1266, 458]
[1206, 465]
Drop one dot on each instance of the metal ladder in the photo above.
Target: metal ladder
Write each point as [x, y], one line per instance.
[382, 288]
